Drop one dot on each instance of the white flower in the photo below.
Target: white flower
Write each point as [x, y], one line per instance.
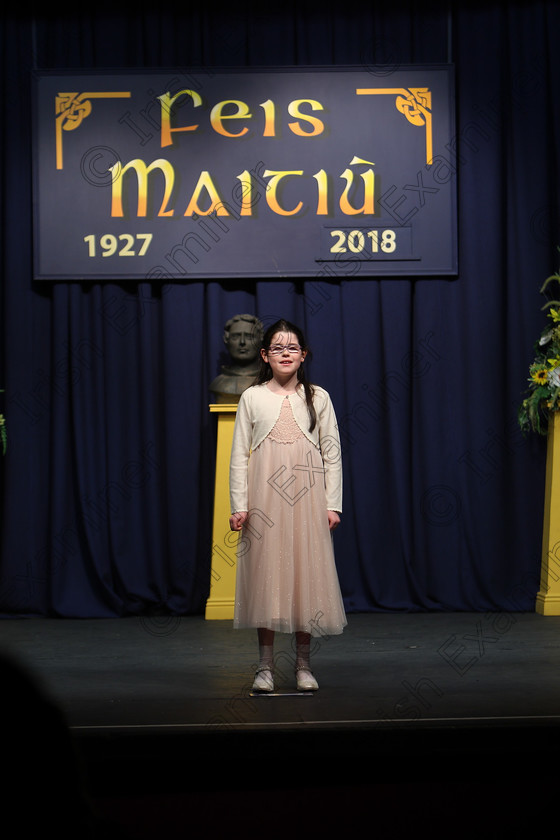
[553, 377]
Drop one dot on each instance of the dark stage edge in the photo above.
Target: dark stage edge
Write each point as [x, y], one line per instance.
[437, 708]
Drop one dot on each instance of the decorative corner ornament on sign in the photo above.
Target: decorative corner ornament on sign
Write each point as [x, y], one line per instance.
[415, 104]
[72, 108]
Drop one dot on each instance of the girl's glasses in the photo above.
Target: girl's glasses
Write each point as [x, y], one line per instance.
[276, 349]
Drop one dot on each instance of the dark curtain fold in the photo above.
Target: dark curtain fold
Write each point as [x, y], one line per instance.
[108, 479]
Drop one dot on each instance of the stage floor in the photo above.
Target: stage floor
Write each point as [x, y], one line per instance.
[404, 699]
[386, 671]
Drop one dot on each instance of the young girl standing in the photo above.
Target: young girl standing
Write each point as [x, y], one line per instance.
[286, 498]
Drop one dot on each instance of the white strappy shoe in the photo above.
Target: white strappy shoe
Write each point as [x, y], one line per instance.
[305, 679]
[264, 680]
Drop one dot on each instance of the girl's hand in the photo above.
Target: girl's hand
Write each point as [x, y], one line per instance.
[238, 520]
[334, 519]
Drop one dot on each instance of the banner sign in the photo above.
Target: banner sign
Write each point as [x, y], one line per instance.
[242, 173]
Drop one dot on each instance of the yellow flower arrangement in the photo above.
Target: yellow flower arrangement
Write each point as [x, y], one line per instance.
[543, 396]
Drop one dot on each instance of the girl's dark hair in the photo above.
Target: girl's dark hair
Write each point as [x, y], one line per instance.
[265, 371]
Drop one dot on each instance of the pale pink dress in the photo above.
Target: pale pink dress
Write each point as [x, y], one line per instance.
[286, 573]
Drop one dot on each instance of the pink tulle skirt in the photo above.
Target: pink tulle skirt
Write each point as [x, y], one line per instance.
[286, 573]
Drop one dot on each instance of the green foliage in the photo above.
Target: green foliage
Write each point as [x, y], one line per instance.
[543, 394]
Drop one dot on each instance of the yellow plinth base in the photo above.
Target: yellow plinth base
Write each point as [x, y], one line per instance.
[548, 596]
[224, 542]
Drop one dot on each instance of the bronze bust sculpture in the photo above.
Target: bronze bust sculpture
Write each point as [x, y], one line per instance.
[242, 336]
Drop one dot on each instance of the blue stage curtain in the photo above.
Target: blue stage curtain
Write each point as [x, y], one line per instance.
[108, 478]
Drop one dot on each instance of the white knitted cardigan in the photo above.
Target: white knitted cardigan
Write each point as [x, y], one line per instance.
[258, 411]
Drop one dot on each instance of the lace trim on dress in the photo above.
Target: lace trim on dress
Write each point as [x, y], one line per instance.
[285, 430]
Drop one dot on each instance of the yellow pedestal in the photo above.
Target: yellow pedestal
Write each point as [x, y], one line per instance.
[548, 596]
[224, 542]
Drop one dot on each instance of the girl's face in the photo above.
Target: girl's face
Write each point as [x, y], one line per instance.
[284, 355]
